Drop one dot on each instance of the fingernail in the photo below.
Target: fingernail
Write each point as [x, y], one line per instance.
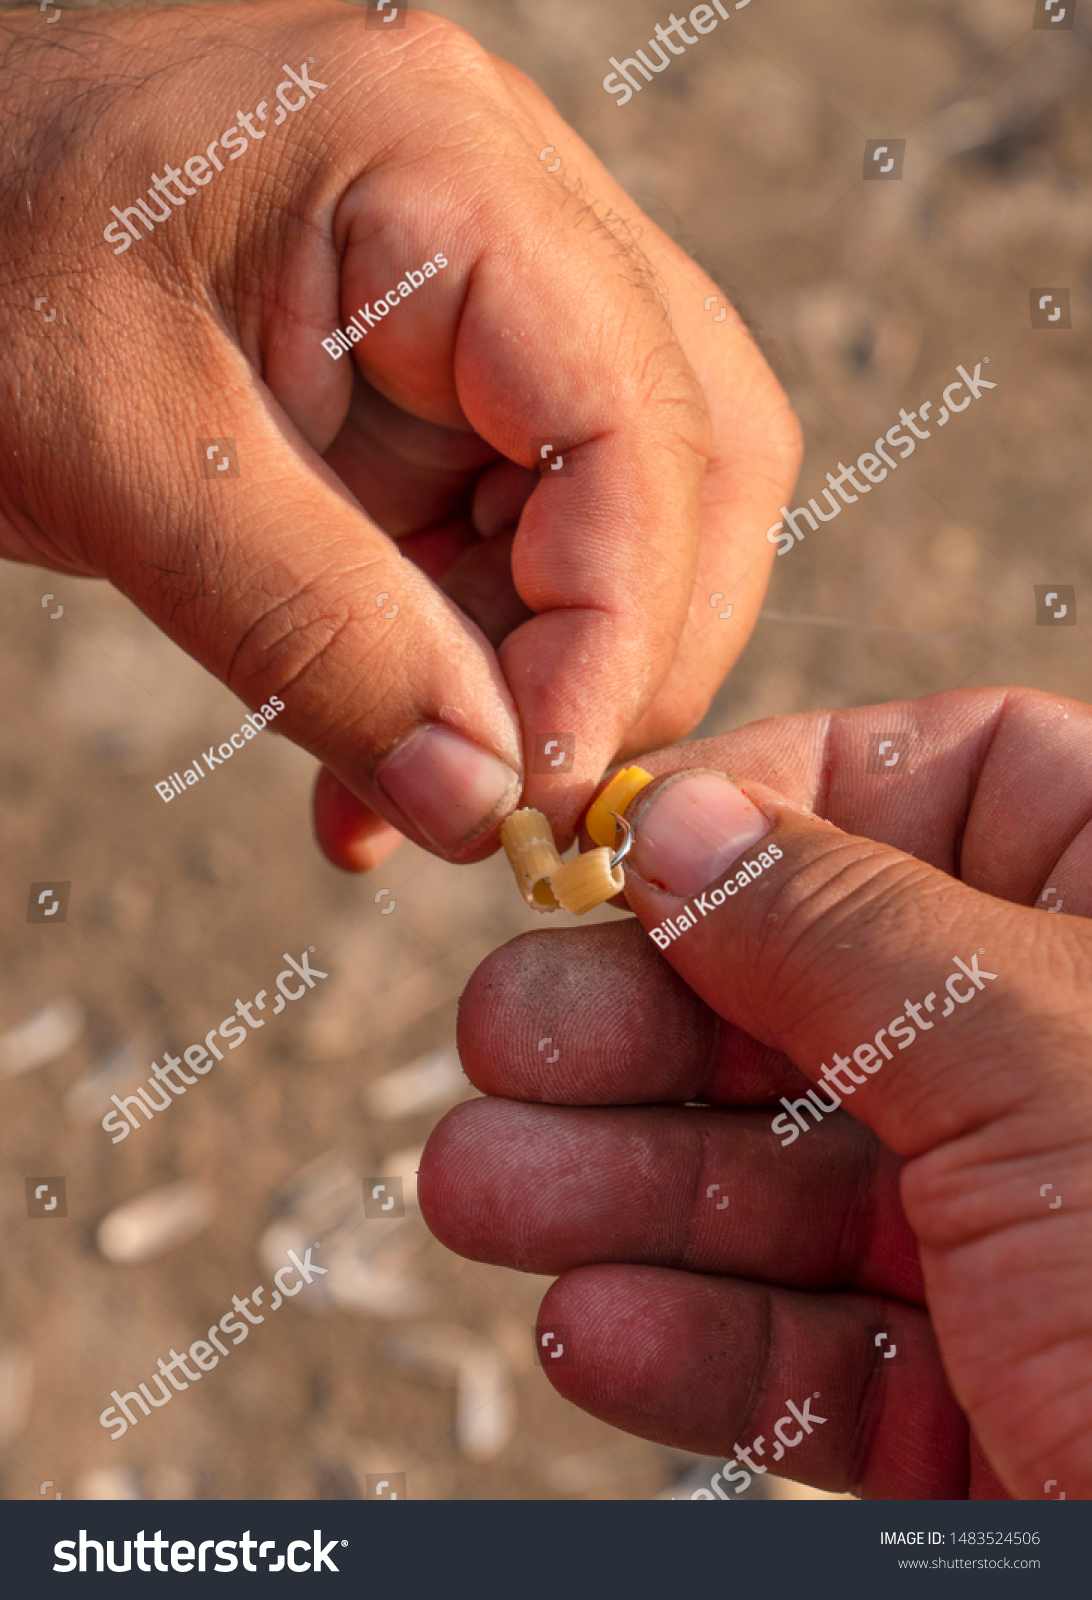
[447, 786]
[692, 828]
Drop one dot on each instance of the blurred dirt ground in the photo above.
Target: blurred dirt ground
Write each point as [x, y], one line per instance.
[866, 296]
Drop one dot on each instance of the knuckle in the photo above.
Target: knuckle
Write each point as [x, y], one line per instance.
[775, 437]
[452, 47]
[837, 898]
[318, 651]
[786, 434]
[665, 725]
[660, 392]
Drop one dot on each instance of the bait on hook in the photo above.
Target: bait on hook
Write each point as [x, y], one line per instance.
[588, 880]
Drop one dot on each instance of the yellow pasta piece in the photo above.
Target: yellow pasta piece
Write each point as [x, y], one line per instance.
[615, 797]
[587, 881]
[528, 842]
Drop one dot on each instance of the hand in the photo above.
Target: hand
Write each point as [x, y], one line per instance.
[946, 1205]
[387, 560]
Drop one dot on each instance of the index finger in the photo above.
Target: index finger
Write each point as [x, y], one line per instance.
[550, 341]
[756, 439]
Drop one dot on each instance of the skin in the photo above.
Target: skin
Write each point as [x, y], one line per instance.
[405, 469]
[920, 1208]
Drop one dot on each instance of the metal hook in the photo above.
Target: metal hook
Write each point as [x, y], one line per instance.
[627, 841]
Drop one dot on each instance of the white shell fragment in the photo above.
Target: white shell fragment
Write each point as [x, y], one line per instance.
[316, 1205]
[404, 1164]
[318, 1199]
[156, 1222]
[42, 1037]
[110, 1483]
[372, 1276]
[430, 1081]
[485, 1404]
[16, 1388]
[89, 1097]
[485, 1398]
[370, 1263]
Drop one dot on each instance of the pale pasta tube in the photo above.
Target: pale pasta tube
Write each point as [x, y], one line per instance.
[528, 842]
[587, 881]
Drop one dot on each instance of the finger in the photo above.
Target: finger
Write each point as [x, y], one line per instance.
[274, 580]
[972, 769]
[723, 1367]
[805, 945]
[258, 561]
[605, 558]
[480, 583]
[972, 780]
[862, 964]
[591, 1016]
[544, 1189]
[432, 490]
[409, 474]
[381, 676]
[349, 834]
[756, 446]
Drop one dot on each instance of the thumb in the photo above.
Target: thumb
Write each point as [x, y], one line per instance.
[276, 581]
[909, 999]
